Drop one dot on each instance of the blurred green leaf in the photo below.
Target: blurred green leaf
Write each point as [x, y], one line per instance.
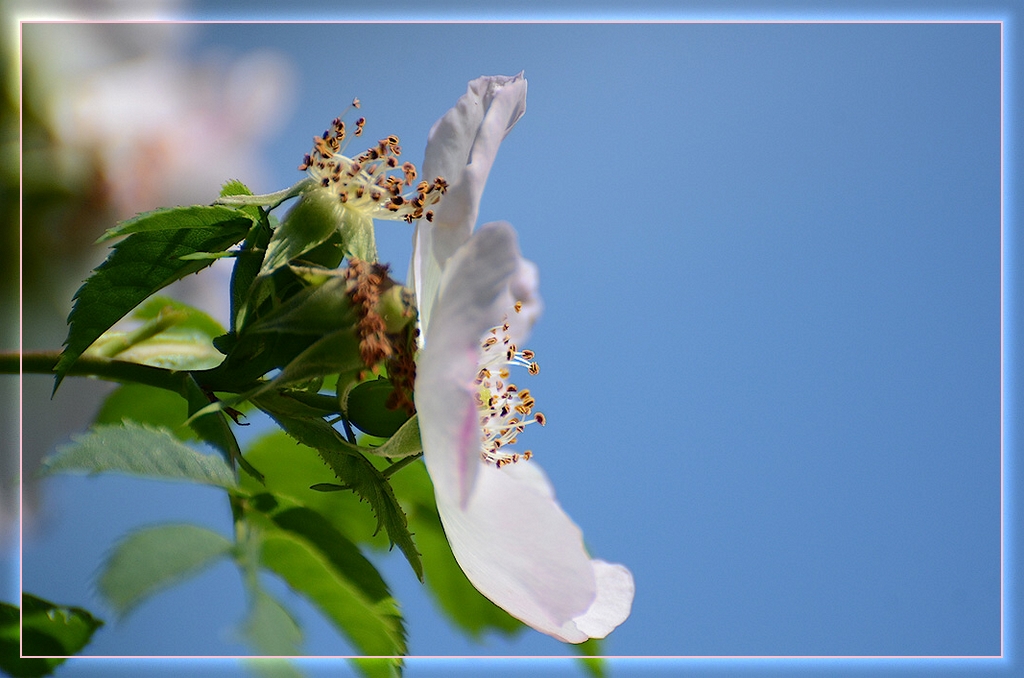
[154, 558]
[270, 628]
[148, 405]
[190, 317]
[357, 473]
[50, 630]
[291, 469]
[170, 335]
[137, 267]
[138, 450]
[265, 667]
[319, 562]
[590, 652]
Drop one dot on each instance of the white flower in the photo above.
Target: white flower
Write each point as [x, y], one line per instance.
[478, 299]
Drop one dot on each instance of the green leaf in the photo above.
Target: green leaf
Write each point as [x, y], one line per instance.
[49, 629]
[320, 563]
[175, 218]
[291, 469]
[148, 405]
[137, 267]
[357, 473]
[270, 628]
[451, 589]
[138, 450]
[153, 559]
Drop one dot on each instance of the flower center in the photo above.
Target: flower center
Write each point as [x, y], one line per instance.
[505, 409]
[366, 183]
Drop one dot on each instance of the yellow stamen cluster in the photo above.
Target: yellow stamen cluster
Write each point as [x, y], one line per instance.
[365, 182]
[504, 409]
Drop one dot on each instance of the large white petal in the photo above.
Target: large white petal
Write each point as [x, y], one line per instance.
[520, 549]
[461, 148]
[472, 297]
[507, 531]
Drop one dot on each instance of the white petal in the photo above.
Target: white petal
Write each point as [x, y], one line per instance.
[520, 549]
[461, 148]
[614, 600]
[473, 292]
[507, 531]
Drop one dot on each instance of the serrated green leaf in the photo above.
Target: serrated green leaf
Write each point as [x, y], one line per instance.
[175, 218]
[320, 563]
[50, 631]
[269, 627]
[138, 450]
[137, 267]
[155, 558]
[356, 472]
[146, 405]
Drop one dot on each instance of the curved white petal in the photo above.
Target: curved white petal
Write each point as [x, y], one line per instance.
[507, 531]
[461, 148]
[473, 293]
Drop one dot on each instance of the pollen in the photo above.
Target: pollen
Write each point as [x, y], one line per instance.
[504, 409]
[365, 183]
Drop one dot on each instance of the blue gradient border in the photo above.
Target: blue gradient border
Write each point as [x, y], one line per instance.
[1005, 12]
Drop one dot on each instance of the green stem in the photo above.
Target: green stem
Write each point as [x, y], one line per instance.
[43, 362]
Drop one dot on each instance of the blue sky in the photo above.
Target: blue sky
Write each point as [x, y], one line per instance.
[770, 261]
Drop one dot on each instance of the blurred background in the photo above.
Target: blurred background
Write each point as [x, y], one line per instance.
[770, 260]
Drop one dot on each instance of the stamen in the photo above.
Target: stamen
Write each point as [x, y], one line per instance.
[363, 183]
[504, 409]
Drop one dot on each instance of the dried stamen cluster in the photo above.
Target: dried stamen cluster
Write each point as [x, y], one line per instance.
[366, 281]
[402, 370]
